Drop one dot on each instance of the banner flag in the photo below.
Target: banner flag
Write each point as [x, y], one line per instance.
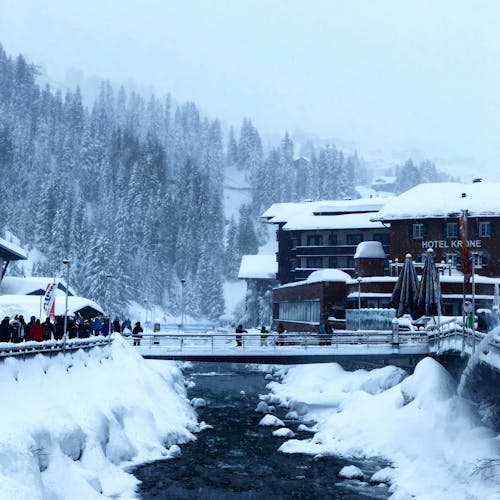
[466, 264]
[49, 300]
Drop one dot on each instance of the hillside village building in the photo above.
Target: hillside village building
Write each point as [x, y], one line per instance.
[424, 217]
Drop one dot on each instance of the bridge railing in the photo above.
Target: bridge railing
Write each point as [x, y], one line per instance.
[211, 342]
[50, 347]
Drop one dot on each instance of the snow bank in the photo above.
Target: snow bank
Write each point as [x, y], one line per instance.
[70, 424]
[433, 439]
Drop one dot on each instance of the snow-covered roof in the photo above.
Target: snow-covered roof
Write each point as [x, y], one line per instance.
[11, 251]
[15, 285]
[443, 199]
[29, 305]
[320, 276]
[303, 221]
[369, 250]
[282, 212]
[258, 267]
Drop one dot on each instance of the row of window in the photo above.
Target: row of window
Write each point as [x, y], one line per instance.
[307, 311]
[318, 240]
[319, 262]
[418, 231]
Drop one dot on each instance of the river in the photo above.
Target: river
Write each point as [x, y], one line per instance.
[240, 459]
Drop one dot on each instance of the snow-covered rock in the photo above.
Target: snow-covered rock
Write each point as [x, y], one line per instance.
[242, 393]
[268, 377]
[304, 428]
[174, 451]
[351, 472]
[271, 421]
[262, 407]
[292, 415]
[198, 403]
[284, 432]
[384, 475]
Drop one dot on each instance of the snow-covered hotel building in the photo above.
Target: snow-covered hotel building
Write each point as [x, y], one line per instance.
[428, 215]
[318, 235]
[320, 276]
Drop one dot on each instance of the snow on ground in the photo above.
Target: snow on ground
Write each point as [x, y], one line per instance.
[433, 438]
[236, 191]
[234, 294]
[71, 424]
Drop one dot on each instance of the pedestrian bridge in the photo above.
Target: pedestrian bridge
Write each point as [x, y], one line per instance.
[300, 347]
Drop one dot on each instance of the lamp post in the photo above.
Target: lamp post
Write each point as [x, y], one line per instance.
[65, 334]
[183, 282]
[359, 280]
[146, 312]
[108, 277]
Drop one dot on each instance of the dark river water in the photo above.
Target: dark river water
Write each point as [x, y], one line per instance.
[240, 459]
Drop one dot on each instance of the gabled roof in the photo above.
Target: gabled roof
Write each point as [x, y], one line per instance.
[258, 267]
[443, 199]
[15, 285]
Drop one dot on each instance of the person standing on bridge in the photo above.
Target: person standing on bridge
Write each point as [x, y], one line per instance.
[281, 334]
[263, 335]
[136, 333]
[239, 339]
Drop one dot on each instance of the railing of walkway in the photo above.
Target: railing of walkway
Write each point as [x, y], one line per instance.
[50, 347]
[212, 342]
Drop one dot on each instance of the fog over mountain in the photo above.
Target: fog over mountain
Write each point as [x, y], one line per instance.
[395, 79]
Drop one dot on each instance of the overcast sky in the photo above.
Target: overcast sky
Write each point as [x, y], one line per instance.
[388, 75]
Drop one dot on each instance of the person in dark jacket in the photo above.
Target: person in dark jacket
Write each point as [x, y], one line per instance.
[263, 335]
[59, 327]
[29, 326]
[49, 328]
[16, 330]
[24, 326]
[116, 325]
[5, 330]
[281, 332]
[239, 338]
[136, 333]
[37, 332]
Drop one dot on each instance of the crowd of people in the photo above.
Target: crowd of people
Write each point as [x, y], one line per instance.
[17, 330]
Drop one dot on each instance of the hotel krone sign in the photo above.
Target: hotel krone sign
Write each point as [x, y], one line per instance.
[450, 243]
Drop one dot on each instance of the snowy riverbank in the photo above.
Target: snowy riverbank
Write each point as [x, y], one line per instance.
[433, 438]
[70, 425]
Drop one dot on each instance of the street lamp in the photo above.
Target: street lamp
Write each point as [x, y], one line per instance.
[359, 280]
[146, 311]
[183, 282]
[65, 335]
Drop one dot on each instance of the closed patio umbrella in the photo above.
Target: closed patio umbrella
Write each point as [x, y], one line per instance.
[429, 290]
[405, 291]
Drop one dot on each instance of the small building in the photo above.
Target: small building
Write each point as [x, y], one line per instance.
[259, 273]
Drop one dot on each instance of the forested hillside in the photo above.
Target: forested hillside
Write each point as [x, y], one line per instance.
[134, 188]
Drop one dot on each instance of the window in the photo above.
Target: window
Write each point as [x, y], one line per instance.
[314, 262]
[479, 260]
[332, 239]
[350, 263]
[417, 232]
[452, 258]
[299, 311]
[485, 229]
[294, 242]
[332, 262]
[354, 239]
[451, 230]
[314, 240]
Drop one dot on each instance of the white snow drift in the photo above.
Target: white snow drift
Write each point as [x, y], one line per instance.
[70, 424]
[433, 439]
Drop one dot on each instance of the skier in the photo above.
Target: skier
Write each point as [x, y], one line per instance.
[239, 339]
